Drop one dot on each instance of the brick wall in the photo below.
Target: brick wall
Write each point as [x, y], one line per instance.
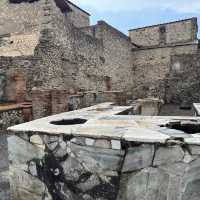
[59, 101]
[41, 100]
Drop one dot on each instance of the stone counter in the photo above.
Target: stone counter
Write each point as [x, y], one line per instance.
[106, 157]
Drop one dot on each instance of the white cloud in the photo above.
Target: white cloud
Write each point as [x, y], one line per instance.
[182, 6]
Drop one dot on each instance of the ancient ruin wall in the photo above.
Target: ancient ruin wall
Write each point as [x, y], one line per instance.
[72, 58]
[79, 17]
[20, 28]
[183, 82]
[169, 33]
[27, 69]
[117, 55]
[151, 68]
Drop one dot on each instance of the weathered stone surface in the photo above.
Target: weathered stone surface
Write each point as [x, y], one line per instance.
[148, 184]
[90, 183]
[98, 160]
[194, 149]
[145, 135]
[4, 165]
[102, 143]
[174, 133]
[25, 186]
[116, 144]
[168, 155]
[37, 141]
[72, 169]
[4, 185]
[21, 151]
[138, 158]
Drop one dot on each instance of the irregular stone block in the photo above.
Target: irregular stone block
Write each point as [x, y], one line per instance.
[72, 169]
[188, 158]
[138, 158]
[89, 142]
[166, 155]
[98, 160]
[102, 143]
[4, 165]
[148, 184]
[194, 149]
[26, 187]
[4, 186]
[21, 151]
[191, 181]
[89, 184]
[116, 144]
[37, 141]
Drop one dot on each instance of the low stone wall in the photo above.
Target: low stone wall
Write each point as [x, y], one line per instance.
[87, 99]
[14, 114]
[148, 106]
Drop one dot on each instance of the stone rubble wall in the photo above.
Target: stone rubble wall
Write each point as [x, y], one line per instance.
[152, 67]
[78, 17]
[10, 118]
[87, 99]
[64, 57]
[117, 54]
[25, 67]
[20, 18]
[170, 33]
[183, 82]
[63, 167]
[50, 102]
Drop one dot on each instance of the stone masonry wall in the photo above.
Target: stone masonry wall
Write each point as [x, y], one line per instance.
[183, 82]
[72, 58]
[151, 68]
[20, 18]
[169, 33]
[10, 118]
[64, 57]
[116, 55]
[28, 68]
[78, 17]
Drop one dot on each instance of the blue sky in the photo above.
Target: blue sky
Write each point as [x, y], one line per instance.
[127, 14]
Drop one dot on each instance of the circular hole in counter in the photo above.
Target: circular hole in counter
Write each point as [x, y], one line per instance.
[69, 121]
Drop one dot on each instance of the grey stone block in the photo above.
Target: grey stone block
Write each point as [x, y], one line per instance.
[138, 158]
[166, 155]
[21, 151]
[98, 160]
